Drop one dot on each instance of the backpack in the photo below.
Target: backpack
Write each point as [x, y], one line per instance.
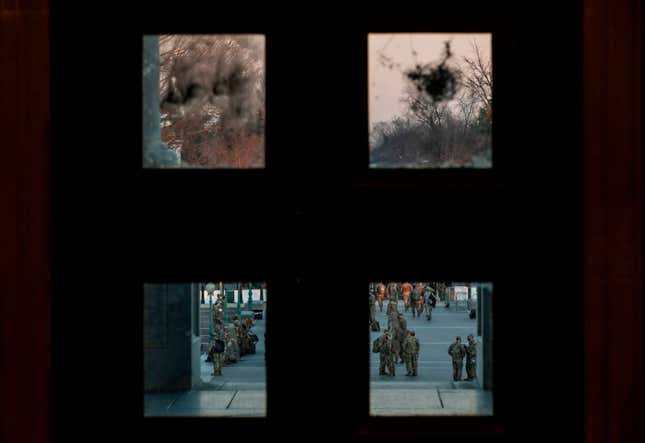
[376, 346]
[218, 347]
[376, 326]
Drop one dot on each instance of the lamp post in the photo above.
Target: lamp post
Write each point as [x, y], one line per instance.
[210, 288]
[222, 293]
[239, 300]
[249, 302]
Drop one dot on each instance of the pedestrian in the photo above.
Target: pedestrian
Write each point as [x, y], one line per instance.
[457, 351]
[380, 293]
[414, 299]
[383, 346]
[392, 292]
[403, 324]
[471, 358]
[420, 300]
[400, 331]
[430, 303]
[392, 313]
[406, 300]
[372, 308]
[406, 290]
[411, 352]
[217, 347]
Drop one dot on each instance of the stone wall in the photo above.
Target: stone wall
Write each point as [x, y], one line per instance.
[168, 340]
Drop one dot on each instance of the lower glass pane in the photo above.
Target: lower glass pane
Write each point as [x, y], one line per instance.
[431, 348]
[204, 349]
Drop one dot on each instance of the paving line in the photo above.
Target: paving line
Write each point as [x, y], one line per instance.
[229, 403]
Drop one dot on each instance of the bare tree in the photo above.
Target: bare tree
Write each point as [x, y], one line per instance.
[479, 79]
[212, 98]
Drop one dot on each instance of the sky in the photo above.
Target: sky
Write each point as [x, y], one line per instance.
[387, 86]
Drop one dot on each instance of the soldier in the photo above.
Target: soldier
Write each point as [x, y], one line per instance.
[372, 308]
[242, 338]
[380, 292]
[457, 351]
[419, 290]
[471, 358]
[232, 346]
[402, 322]
[383, 346]
[406, 300]
[396, 334]
[217, 357]
[430, 300]
[392, 314]
[387, 353]
[420, 303]
[392, 292]
[411, 352]
[414, 303]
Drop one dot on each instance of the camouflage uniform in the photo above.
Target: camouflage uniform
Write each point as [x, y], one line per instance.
[232, 346]
[411, 353]
[380, 291]
[392, 292]
[372, 309]
[217, 358]
[471, 359]
[392, 315]
[457, 351]
[428, 304]
[401, 331]
[386, 360]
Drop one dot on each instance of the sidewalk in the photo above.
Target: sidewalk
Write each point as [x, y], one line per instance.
[396, 400]
[239, 392]
[237, 402]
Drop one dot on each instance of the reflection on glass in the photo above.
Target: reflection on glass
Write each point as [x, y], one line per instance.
[210, 100]
[431, 348]
[430, 100]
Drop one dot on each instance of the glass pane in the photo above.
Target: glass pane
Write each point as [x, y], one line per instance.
[430, 100]
[431, 348]
[204, 101]
[204, 356]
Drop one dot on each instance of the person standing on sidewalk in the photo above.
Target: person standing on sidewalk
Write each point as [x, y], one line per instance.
[406, 288]
[372, 308]
[457, 351]
[402, 331]
[383, 346]
[471, 358]
[392, 314]
[380, 293]
[419, 305]
[217, 347]
[392, 292]
[411, 351]
[420, 300]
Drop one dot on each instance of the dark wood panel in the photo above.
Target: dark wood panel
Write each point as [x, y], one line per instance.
[613, 221]
[25, 379]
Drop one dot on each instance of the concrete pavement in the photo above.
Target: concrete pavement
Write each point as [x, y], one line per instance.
[432, 392]
[239, 392]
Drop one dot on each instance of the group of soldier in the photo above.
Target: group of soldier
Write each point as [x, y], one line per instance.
[458, 351]
[229, 343]
[398, 344]
[419, 299]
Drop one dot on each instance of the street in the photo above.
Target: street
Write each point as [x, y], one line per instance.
[435, 365]
[432, 391]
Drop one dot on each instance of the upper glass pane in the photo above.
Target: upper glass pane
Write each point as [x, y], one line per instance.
[430, 100]
[204, 101]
